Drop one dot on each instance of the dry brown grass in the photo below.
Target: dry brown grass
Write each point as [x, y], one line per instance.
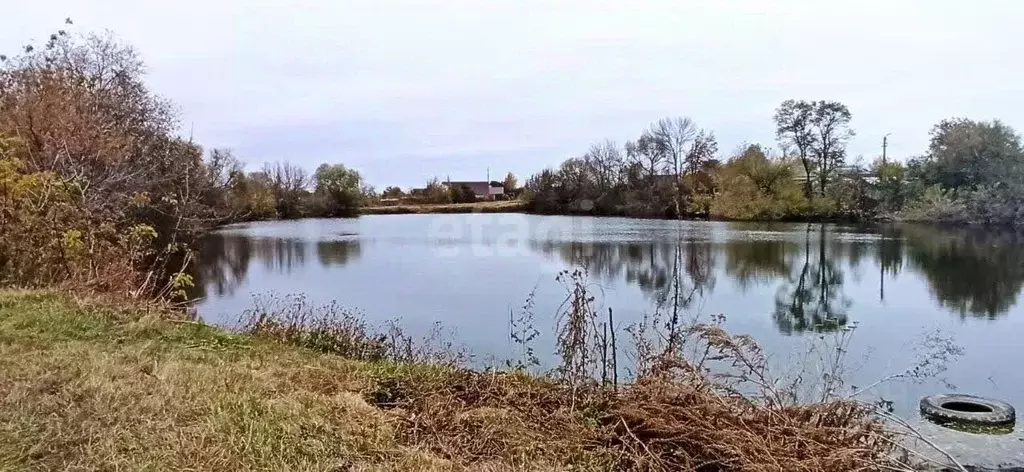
[667, 425]
[93, 389]
[473, 417]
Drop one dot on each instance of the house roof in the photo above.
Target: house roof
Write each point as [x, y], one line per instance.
[479, 187]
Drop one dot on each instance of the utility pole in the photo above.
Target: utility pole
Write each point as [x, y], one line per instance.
[885, 144]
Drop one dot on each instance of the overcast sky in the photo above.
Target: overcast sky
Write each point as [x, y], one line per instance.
[403, 90]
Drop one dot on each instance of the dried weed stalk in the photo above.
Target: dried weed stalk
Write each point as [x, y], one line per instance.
[522, 331]
[577, 331]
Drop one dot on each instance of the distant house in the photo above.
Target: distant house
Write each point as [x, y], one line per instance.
[482, 189]
[843, 172]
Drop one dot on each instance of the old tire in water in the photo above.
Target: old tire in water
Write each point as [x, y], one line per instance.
[967, 409]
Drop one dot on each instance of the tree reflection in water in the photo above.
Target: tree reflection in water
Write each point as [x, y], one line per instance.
[970, 271]
[801, 267]
[654, 267]
[759, 261]
[676, 274]
[220, 265]
[811, 297]
[223, 260]
[647, 265]
[889, 255]
[337, 253]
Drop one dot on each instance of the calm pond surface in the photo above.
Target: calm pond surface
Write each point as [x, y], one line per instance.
[773, 281]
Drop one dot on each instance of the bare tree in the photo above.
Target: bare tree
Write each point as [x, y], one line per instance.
[288, 182]
[223, 171]
[646, 152]
[605, 158]
[221, 167]
[702, 150]
[831, 125]
[794, 128]
[674, 137]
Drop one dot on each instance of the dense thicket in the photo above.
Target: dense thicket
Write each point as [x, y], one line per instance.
[96, 186]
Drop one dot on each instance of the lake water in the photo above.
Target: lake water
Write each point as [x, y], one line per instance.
[775, 281]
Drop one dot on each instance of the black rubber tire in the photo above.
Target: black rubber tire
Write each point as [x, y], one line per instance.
[1001, 412]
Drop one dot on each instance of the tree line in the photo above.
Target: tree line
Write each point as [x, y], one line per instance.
[284, 190]
[972, 172]
[98, 190]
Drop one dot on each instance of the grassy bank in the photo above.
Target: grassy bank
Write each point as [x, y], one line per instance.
[94, 389]
[89, 388]
[512, 206]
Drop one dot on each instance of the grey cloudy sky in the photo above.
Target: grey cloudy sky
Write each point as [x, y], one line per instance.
[403, 90]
